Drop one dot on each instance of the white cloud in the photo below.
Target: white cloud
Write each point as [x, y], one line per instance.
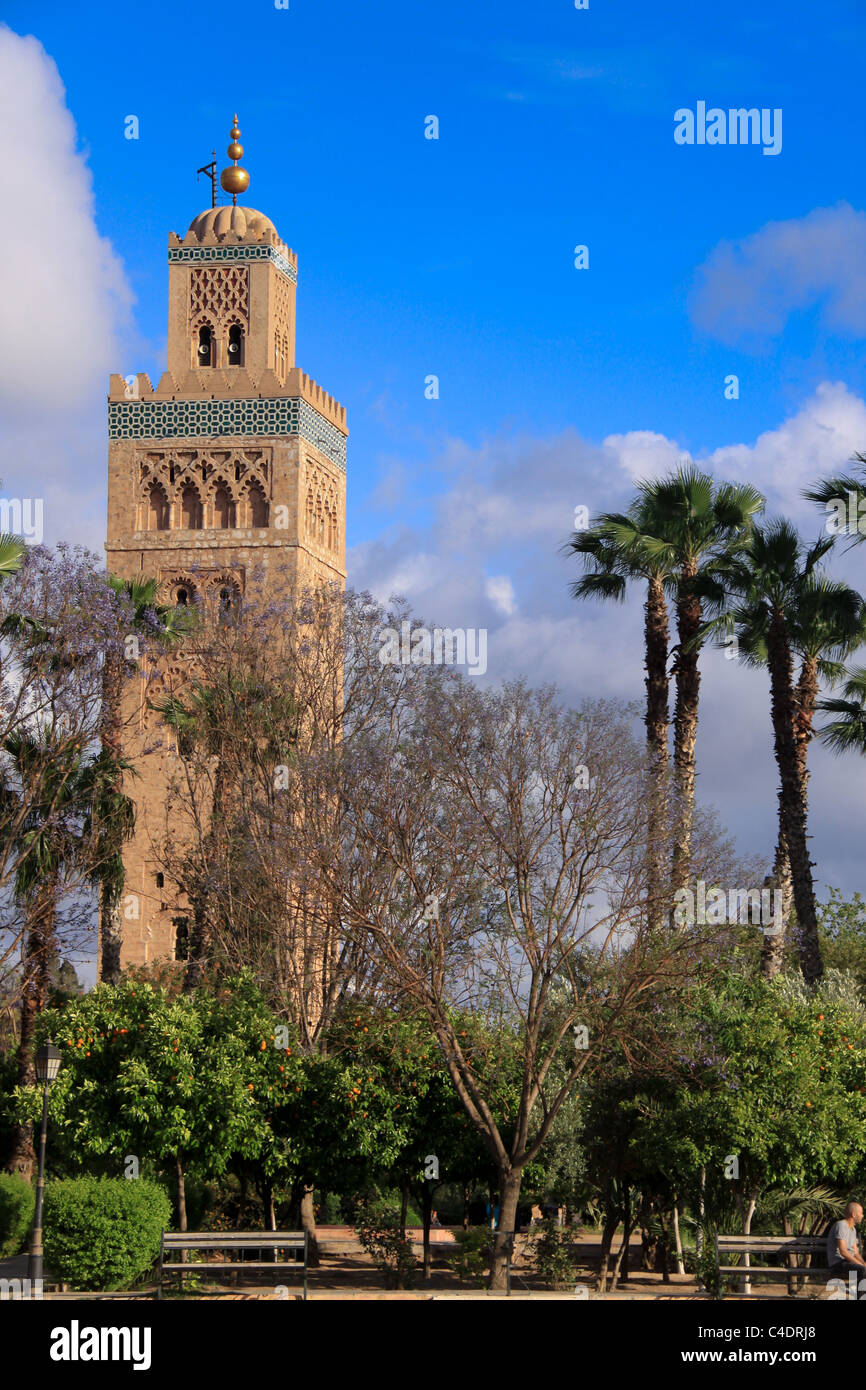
[500, 590]
[747, 290]
[492, 557]
[62, 286]
[820, 438]
[644, 454]
[66, 305]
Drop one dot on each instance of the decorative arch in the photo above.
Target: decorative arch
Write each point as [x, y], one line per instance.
[191, 511]
[224, 508]
[157, 509]
[224, 592]
[204, 338]
[258, 511]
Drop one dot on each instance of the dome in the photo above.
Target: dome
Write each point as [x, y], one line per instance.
[242, 222]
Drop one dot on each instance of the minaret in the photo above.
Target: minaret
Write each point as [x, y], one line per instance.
[235, 463]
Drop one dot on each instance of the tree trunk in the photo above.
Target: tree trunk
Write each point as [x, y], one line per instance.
[308, 1224]
[181, 1194]
[773, 944]
[620, 1269]
[110, 936]
[607, 1235]
[110, 843]
[503, 1237]
[688, 681]
[657, 643]
[467, 1198]
[426, 1212]
[747, 1210]
[678, 1243]
[665, 1251]
[404, 1207]
[37, 954]
[699, 1233]
[793, 797]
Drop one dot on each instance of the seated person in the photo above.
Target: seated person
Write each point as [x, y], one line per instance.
[843, 1247]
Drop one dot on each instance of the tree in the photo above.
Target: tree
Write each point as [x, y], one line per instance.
[477, 869]
[613, 555]
[847, 731]
[695, 526]
[191, 1084]
[780, 604]
[825, 625]
[50, 843]
[844, 494]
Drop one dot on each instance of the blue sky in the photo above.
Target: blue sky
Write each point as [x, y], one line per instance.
[455, 257]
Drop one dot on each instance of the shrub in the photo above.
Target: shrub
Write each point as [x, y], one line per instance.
[103, 1233]
[472, 1258]
[552, 1251]
[378, 1228]
[17, 1201]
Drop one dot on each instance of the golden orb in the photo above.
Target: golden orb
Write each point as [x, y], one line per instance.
[235, 180]
[235, 151]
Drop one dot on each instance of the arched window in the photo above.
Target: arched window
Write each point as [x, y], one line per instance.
[236, 346]
[229, 605]
[205, 346]
[223, 510]
[258, 506]
[157, 509]
[184, 594]
[191, 510]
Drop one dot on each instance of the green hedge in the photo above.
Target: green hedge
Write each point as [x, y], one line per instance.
[17, 1201]
[103, 1233]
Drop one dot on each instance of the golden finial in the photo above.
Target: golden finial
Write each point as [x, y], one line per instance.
[235, 180]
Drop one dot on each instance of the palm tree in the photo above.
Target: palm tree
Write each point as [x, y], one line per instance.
[843, 489]
[609, 566]
[695, 527]
[48, 782]
[847, 731]
[781, 605]
[12, 550]
[146, 618]
[827, 624]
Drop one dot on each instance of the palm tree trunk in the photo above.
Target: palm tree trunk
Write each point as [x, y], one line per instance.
[37, 956]
[793, 795]
[110, 842]
[773, 946]
[657, 642]
[688, 682]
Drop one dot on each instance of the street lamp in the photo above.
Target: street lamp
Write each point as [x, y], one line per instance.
[47, 1067]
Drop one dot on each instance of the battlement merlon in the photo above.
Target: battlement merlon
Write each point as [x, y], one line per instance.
[196, 386]
[266, 237]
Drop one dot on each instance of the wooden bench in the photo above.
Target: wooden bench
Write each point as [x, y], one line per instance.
[232, 1243]
[791, 1246]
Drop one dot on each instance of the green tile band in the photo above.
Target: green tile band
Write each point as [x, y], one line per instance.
[194, 419]
[201, 255]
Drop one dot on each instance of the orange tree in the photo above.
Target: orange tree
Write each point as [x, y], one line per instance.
[769, 1093]
[194, 1083]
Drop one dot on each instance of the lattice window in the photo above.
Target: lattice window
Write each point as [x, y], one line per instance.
[220, 291]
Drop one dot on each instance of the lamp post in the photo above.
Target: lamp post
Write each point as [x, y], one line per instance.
[47, 1067]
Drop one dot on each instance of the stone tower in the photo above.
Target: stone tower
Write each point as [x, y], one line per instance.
[234, 464]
